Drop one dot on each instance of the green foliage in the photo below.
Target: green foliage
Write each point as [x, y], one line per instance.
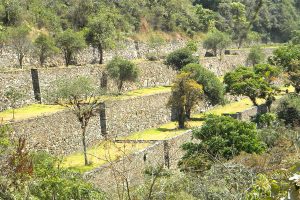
[192, 46]
[224, 137]
[256, 56]
[52, 182]
[288, 57]
[122, 70]
[14, 95]
[155, 42]
[186, 92]
[244, 81]
[206, 18]
[70, 43]
[4, 139]
[104, 30]
[212, 86]
[289, 110]
[265, 120]
[266, 71]
[180, 58]
[45, 47]
[216, 41]
[296, 37]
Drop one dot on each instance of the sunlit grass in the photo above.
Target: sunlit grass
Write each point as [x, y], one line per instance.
[105, 152]
[36, 110]
[30, 111]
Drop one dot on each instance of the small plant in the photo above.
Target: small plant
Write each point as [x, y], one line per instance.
[14, 95]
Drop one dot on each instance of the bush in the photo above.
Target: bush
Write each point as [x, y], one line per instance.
[255, 56]
[225, 137]
[180, 58]
[216, 41]
[265, 120]
[288, 110]
[212, 86]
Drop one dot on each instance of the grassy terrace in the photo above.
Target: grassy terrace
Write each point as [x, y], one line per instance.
[36, 110]
[109, 151]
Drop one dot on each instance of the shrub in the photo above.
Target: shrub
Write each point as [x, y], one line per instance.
[289, 110]
[256, 56]
[225, 137]
[180, 58]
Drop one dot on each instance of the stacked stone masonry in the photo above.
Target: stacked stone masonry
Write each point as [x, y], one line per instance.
[151, 74]
[60, 133]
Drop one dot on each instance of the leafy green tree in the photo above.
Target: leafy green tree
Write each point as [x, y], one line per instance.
[206, 17]
[80, 96]
[104, 30]
[269, 72]
[216, 41]
[70, 43]
[45, 47]
[14, 95]
[212, 86]
[255, 56]
[11, 12]
[244, 81]
[20, 41]
[288, 58]
[179, 58]
[122, 70]
[224, 137]
[186, 92]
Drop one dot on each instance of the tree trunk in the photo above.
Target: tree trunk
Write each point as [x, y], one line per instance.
[181, 118]
[21, 56]
[100, 50]
[86, 162]
[297, 89]
[68, 56]
[188, 113]
[253, 99]
[120, 85]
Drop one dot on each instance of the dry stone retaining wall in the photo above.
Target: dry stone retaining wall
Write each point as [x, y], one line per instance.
[151, 74]
[60, 133]
[165, 153]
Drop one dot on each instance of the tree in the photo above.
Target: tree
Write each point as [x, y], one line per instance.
[255, 56]
[216, 41]
[20, 41]
[288, 58]
[70, 43]
[80, 96]
[212, 86]
[269, 72]
[186, 92]
[224, 137]
[13, 95]
[179, 58]
[244, 81]
[122, 70]
[104, 30]
[45, 47]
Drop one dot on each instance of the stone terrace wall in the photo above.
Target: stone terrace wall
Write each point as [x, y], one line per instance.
[57, 133]
[230, 62]
[163, 153]
[16, 79]
[60, 133]
[151, 74]
[128, 49]
[136, 114]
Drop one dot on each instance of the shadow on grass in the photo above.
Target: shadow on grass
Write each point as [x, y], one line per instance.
[166, 129]
[198, 119]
